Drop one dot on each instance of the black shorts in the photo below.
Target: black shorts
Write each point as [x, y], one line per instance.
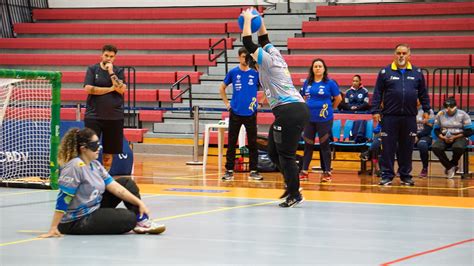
[110, 131]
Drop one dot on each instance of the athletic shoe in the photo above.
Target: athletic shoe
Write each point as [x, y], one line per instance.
[385, 182]
[450, 173]
[149, 227]
[304, 176]
[228, 176]
[423, 173]
[255, 175]
[291, 202]
[364, 156]
[326, 177]
[286, 193]
[407, 182]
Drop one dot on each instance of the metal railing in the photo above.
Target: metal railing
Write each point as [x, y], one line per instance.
[130, 109]
[211, 52]
[17, 11]
[177, 85]
[452, 82]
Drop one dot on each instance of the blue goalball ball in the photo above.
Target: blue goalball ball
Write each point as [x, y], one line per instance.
[256, 21]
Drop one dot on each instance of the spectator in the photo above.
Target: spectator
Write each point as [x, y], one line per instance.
[104, 84]
[423, 138]
[319, 90]
[398, 87]
[452, 127]
[242, 111]
[357, 96]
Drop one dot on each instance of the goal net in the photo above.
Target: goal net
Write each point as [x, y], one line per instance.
[29, 128]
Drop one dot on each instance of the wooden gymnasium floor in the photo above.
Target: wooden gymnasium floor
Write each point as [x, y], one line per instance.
[351, 221]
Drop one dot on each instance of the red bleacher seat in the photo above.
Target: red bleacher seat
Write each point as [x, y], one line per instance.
[84, 60]
[121, 43]
[368, 79]
[195, 76]
[70, 114]
[406, 25]
[150, 115]
[420, 60]
[120, 28]
[417, 9]
[134, 134]
[203, 60]
[141, 77]
[68, 95]
[164, 95]
[262, 118]
[137, 13]
[369, 43]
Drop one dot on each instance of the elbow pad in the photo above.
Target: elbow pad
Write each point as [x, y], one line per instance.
[263, 40]
[249, 45]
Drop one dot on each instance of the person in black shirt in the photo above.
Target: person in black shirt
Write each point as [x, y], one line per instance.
[104, 84]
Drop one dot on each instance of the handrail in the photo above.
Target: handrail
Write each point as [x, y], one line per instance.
[452, 82]
[211, 51]
[189, 88]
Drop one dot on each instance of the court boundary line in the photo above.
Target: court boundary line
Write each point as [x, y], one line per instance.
[426, 252]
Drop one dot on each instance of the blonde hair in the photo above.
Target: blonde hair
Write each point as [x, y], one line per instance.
[71, 143]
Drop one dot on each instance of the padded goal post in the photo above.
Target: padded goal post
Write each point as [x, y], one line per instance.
[29, 128]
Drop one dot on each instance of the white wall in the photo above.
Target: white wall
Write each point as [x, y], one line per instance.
[151, 3]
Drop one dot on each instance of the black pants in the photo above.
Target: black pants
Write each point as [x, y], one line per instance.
[458, 147]
[283, 137]
[324, 132]
[109, 131]
[398, 138]
[250, 123]
[107, 219]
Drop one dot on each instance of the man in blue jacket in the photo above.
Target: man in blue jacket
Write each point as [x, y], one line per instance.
[396, 91]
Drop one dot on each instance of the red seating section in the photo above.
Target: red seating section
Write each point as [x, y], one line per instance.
[413, 25]
[415, 9]
[137, 13]
[422, 60]
[120, 43]
[366, 43]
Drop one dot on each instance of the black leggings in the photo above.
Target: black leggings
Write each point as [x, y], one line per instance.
[285, 132]
[250, 123]
[107, 219]
[324, 132]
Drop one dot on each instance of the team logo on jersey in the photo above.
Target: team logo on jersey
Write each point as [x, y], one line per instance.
[81, 164]
[412, 78]
[324, 111]
[394, 78]
[250, 83]
[253, 105]
[360, 96]
[321, 91]
[238, 77]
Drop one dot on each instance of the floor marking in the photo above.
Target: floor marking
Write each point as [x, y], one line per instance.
[213, 211]
[426, 252]
[26, 192]
[20, 241]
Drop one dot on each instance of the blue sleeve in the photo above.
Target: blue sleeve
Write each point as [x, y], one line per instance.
[228, 78]
[334, 89]
[62, 202]
[377, 97]
[89, 78]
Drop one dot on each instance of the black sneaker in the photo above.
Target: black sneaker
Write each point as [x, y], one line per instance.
[286, 193]
[255, 175]
[407, 182]
[291, 202]
[385, 182]
[228, 176]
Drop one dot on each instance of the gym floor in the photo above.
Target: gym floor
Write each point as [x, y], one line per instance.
[351, 221]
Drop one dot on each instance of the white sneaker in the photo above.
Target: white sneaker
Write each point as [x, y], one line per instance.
[149, 227]
[450, 173]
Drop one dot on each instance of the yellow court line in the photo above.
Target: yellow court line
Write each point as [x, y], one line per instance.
[314, 195]
[196, 177]
[26, 192]
[212, 211]
[19, 241]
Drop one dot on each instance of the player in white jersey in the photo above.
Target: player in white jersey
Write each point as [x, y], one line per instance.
[288, 107]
